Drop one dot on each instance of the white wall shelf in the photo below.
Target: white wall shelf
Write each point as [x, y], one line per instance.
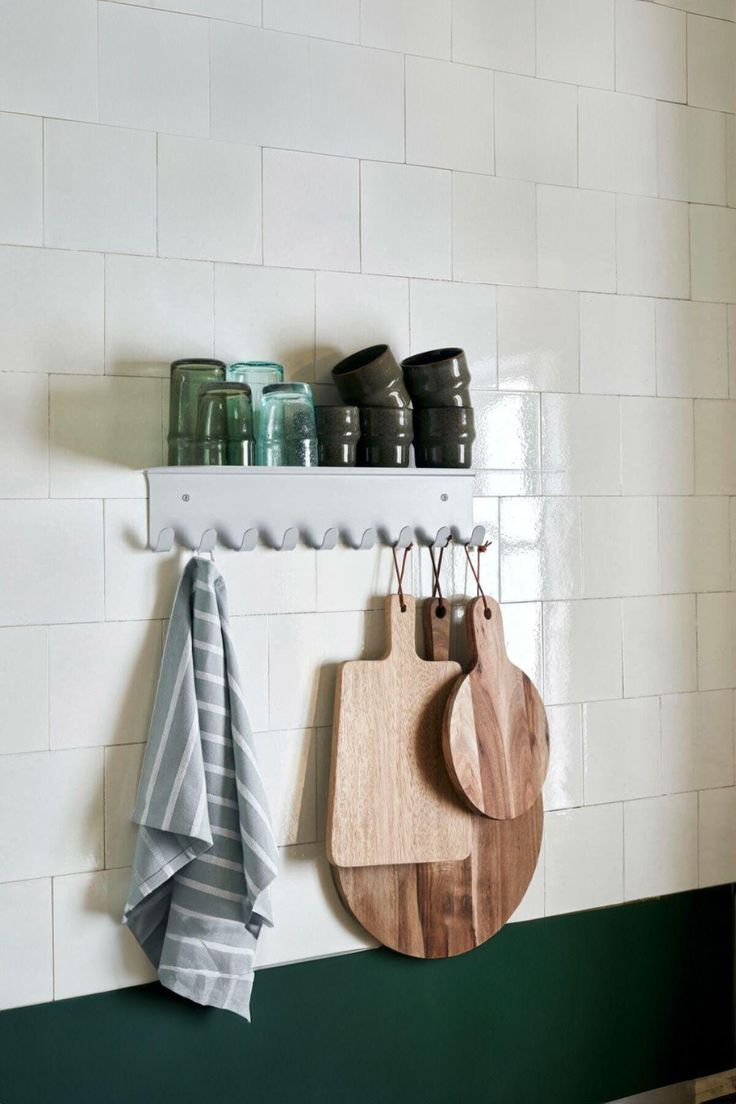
[199, 507]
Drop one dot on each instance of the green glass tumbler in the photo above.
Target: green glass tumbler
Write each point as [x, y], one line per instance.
[287, 432]
[225, 424]
[187, 377]
[257, 374]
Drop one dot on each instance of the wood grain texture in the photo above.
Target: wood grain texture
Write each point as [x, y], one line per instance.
[436, 910]
[390, 798]
[495, 733]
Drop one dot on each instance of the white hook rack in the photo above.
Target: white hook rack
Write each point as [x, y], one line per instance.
[199, 507]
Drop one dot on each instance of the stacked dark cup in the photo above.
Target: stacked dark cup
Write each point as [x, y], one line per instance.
[372, 381]
[444, 426]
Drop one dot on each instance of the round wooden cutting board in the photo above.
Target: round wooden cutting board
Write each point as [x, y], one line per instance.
[495, 734]
[440, 909]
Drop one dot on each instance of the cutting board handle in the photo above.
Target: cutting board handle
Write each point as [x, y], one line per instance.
[401, 627]
[486, 630]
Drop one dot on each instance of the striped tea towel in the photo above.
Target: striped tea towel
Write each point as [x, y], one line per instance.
[205, 854]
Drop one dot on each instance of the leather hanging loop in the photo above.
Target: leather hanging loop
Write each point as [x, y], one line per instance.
[476, 576]
[441, 609]
[400, 573]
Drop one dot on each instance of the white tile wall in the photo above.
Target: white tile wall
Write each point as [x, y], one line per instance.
[544, 184]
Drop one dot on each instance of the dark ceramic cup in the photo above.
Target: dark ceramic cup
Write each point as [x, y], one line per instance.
[338, 431]
[439, 377]
[385, 437]
[371, 378]
[443, 437]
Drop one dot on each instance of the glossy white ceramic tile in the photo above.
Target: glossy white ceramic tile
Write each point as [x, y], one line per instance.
[93, 952]
[536, 129]
[713, 248]
[288, 765]
[488, 32]
[103, 678]
[493, 230]
[618, 148]
[303, 652]
[154, 309]
[584, 861]
[122, 771]
[617, 345]
[449, 115]
[619, 547]
[580, 444]
[67, 335]
[576, 239]
[650, 50]
[541, 555]
[236, 11]
[21, 180]
[446, 314]
[522, 625]
[563, 787]
[265, 314]
[51, 561]
[24, 722]
[26, 943]
[538, 340]
[691, 153]
[622, 750]
[574, 669]
[659, 645]
[711, 77]
[352, 580]
[154, 70]
[694, 544]
[731, 160]
[35, 47]
[250, 636]
[310, 211]
[265, 581]
[716, 641]
[507, 432]
[64, 789]
[401, 25]
[336, 19]
[692, 349]
[24, 446]
[717, 836]
[405, 219]
[99, 188]
[138, 586]
[575, 41]
[697, 741]
[209, 200]
[715, 447]
[353, 312]
[656, 446]
[660, 845]
[652, 247]
[310, 921]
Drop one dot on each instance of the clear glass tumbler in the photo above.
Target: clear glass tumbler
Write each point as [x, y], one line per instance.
[257, 374]
[187, 378]
[287, 433]
[225, 424]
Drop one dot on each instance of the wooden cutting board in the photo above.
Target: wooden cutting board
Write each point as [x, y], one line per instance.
[495, 734]
[440, 909]
[390, 798]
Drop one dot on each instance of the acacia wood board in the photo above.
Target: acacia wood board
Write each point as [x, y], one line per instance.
[495, 733]
[440, 909]
[390, 798]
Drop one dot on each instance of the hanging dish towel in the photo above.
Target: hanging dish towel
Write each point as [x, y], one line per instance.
[205, 854]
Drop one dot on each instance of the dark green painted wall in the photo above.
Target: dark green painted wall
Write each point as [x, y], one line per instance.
[571, 1010]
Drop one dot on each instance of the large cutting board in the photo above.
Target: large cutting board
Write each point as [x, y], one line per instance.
[390, 798]
[439, 909]
[495, 737]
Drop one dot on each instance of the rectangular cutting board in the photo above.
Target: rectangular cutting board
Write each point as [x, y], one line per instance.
[390, 799]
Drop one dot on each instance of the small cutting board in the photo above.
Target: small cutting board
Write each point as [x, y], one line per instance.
[440, 909]
[390, 798]
[495, 734]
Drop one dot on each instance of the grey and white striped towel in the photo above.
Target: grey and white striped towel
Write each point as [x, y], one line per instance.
[205, 854]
